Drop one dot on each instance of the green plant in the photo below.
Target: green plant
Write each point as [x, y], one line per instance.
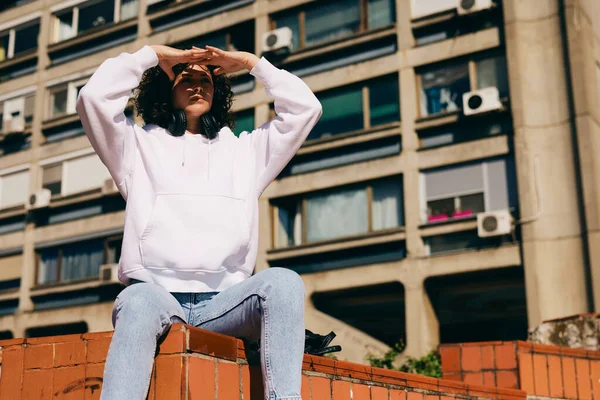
[428, 365]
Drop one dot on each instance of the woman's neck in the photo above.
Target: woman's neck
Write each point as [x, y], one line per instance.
[194, 126]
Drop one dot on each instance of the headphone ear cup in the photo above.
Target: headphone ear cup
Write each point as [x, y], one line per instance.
[210, 127]
[177, 123]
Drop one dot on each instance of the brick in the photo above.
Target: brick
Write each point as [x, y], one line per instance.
[506, 356]
[359, 392]
[228, 386]
[340, 390]
[432, 397]
[487, 357]
[94, 374]
[55, 339]
[97, 335]
[11, 342]
[555, 376]
[453, 377]
[526, 373]
[471, 359]
[12, 373]
[305, 390]
[175, 342]
[352, 370]
[201, 378]
[320, 388]
[545, 348]
[450, 357]
[473, 378]
[379, 393]
[245, 374]
[39, 356]
[569, 377]
[97, 350]
[169, 377]
[414, 396]
[37, 384]
[69, 353]
[69, 383]
[507, 379]
[397, 395]
[582, 367]
[489, 378]
[212, 344]
[540, 375]
[595, 376]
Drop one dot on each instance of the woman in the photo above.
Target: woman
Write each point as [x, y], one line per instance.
[191, 220]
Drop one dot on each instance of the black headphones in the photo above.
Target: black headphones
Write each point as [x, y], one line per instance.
[178, 124]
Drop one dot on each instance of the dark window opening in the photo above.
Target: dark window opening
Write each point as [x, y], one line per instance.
[56, 330]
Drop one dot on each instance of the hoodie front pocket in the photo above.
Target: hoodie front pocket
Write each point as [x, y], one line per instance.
[195, 232]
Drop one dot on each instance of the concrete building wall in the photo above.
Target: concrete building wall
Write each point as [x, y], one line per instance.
[555, 125]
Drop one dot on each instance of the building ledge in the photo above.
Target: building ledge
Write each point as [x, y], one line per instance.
[65, 365]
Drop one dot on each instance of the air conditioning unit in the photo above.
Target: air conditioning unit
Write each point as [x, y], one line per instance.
[471, 6]
[494, 223]
[39, 199]
[482, 100]
[109, 187]
[277, 40]
[109, 273]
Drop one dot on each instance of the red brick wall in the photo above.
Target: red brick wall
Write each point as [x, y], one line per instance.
[195, 364]
[538, 369]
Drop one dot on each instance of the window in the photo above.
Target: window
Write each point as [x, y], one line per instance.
[63, 98]
[86, 16]
[19, 40]
[10, 271]
[244, 121]
[465, 190]
[331, 20]
[442, 88]
[348, 211]
[422, 8]
[16, 114]
[68, 177]
[344, 108]
[75, 261]
[14, 189]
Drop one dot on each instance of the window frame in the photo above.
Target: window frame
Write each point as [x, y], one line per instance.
[59, 282]
[12, 33]
[71, 87]
[471, 61]
[75, 19]
[364, 87]
[301, 202]
[301, 14]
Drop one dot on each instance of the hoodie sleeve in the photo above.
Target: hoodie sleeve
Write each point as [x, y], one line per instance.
[101, 106]
[297, 109]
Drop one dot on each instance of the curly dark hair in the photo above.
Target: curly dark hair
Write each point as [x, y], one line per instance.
[153, 97]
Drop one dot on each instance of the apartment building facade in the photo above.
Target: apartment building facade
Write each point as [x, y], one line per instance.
[434, 112]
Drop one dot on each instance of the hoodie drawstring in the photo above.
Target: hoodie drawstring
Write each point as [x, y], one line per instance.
[184, 150]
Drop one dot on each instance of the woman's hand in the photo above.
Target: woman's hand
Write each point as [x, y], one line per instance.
[169, 57]
[227, 61]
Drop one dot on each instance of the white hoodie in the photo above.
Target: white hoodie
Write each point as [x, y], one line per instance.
[191, 220]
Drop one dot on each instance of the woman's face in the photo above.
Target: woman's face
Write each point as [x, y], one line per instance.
[193, 90]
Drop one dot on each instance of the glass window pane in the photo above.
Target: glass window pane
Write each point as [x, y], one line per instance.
[4, 39]
[48, 267]
[492, 72]
[129, 9]
[380, 13]
[442, 89]
[387, 204]
[114, 251]
[244, 121]
[470, 205]
[27, 38]
[66, 30]
[96, 15]
[52, 178]
[440, 210]
[384, 101]
[59, 102]
[330, 21]
[286, 217]
[291, 21]
[82, 260]
[342, 112]
[29, 106]
[336, 214]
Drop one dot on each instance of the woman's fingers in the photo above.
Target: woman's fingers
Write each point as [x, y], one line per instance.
[219, 71]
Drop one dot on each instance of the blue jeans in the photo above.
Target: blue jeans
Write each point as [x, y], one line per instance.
[268, 306]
